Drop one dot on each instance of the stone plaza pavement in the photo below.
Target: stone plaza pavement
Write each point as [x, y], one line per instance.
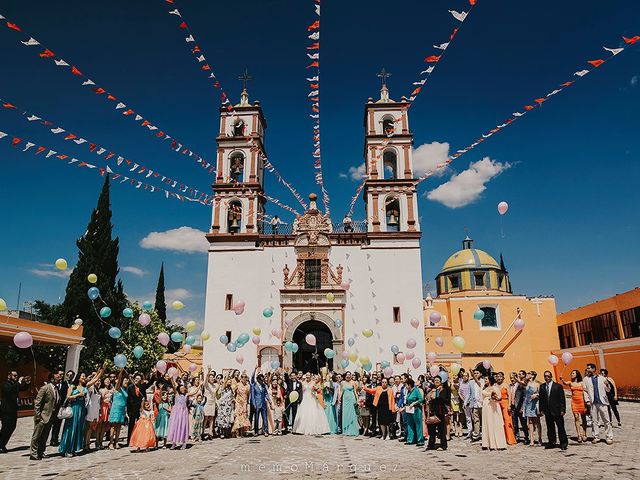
[294, 456]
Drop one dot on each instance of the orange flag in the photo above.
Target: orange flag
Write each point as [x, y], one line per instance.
[314, 26]
[529, 107]
[566, 84]
[15, 141]
[631, 40]
[596, 63]
[13, 26]
[75, 71]
[99, 90]
[8, 105]
[539, 100]
[314, 64]
[47, 54]
[432, 58]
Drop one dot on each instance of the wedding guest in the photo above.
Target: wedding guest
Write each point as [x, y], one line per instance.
[413, 411]
[596, 400]
[328, 395]
[197, 417]
[63, 388]
[439, 401]
[162, 419]
[144, 435]
[118, 407]
[259, 400]
[224, 417]
[278, 412]
[179, 419]
[577, 404]
[9, 406]
[517, 403]
[210, 391]
[92, 402]
[493, 437]
[136, 392]
[384, 403]
[553, 406]
[612, 395]
[336, 381]
[476, 386]
[44, 410]
[464, 392]
[293, 385]
[349, 389]
[241, 424]
[530, 407]
[456, 414]
[106, 397]
[72, 440]
[505, 405]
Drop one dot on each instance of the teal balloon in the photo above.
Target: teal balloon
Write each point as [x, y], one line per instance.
[223, 339]
[394, 349]
[288, 346]
[444, 376]
[344, 363]
[190, 340]
[231, 347]
[329, 353]
[138, 351]
[478, 314]
[275, 364]
[243, 338]
[338, 323]
[120, 361]
[351, 341]
[267, 312]
[105, 312]
[384, 364]
[294, 347]
[176, 337]
[127, 312]
[147, 306]
[368, 366]
[114, 332]
[93, 293]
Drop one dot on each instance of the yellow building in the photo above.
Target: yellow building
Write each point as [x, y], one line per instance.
[472, 280]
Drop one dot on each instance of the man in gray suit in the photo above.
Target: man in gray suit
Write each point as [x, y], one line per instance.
[45, 411]
[595, 398]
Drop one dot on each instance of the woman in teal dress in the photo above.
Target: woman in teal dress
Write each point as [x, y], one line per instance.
[413, 411]
[118, 408]
[162, 420]
[349, 402]
[73, 433]
[329, 408]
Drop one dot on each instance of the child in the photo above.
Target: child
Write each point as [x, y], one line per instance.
[278, 411]
[179, 420]
[144, 435]
[197, 415]
[162, 420]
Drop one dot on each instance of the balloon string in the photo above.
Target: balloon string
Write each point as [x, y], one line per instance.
[33, 355]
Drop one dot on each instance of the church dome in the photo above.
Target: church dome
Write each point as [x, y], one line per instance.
[469, 258]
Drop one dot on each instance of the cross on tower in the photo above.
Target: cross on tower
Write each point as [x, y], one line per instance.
[384, 75]
[244, 78]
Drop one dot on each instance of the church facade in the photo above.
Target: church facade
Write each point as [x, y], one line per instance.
[356, 290]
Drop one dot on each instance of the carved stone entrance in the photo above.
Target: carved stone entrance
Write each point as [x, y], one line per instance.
[309, 358]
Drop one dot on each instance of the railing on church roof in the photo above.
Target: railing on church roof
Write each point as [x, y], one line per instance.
[265, 228]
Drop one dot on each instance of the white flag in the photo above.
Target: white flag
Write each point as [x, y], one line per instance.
[73, 160]
[442, 46]
[33, 117]
[581, 73]
[138, 118]
[100, 151]
[109, 170]
[460, 16]
[152, 127]
[139, 184]
[50, 153]
[28, 146]
[175, 12]
[313, 93]
[135, 165]
[120, 105]
[57, 130]
[2, 134]
[201, 58]
[31, 41]
[189, 39]
[80, 141]
[88, 82]
[61, 63]
[314, 56]
[615, 51]
[554, 92]
[517, 114]
[314, 115]
[315, 36]
[317, 9]
[149, 173]
[428, 70]
[421, 82]
[313, 79]
[119, 160]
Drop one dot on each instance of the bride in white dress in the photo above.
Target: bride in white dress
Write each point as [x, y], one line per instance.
[310, 417]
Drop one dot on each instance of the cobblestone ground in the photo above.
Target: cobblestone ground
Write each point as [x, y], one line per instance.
[338, 457]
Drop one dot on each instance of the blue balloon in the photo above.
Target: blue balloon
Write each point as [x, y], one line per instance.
[338, 323]
[105, 312]
[288, 346]
[93, 293]
[190, 340]
[114, 332]
[351, 341]
[344, 363]
[384, 364]
[444, 376]
[394, 349]
[231, 347]
[176, 337]
[267, 312]
[147, 306]
[274, 364]
[243, 338]
[120, 361]
[127, 312]
[294, 347]
[329, 353]
[223, 339]
[138, 351]
[478, 314]
[368, 366]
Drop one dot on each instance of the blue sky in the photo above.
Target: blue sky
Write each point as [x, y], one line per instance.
[571, 182]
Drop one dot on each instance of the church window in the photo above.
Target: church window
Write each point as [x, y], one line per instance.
[268, 355]
[500, 280]
[312, 274]
[490, 319]
[630, 322]
[236, 167]
[228, 335]
[479, 279]
[565, 333]
[393, 216]
[454, 281]
[234, 217]
[238, 128]
[388, 126]
[390, 161]
[228, 302]
[396, 314]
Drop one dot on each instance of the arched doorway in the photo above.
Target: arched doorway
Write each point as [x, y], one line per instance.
[309, 358]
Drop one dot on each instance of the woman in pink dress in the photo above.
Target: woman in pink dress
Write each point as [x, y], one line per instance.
[179, 419]
[241, 423]
[493, 436]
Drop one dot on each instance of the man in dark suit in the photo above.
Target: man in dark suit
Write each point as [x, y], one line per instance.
[62, 386]
[9, 406]
[293, 385]
[553, 406]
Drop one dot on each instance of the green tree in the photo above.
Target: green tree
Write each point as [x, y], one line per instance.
[161, 304]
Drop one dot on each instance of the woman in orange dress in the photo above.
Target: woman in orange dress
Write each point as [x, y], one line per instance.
[577, 404]
[505, 405]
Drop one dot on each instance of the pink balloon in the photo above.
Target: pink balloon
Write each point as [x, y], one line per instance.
[410, 354]
[256, 340]
[567, 358]
[344, 355]
[411, 343]
[23, 340]
[239, 359]
[345, 286]
[161, 366]
[486, 364]
[193, 367]
[276, 332]
[503, 207]
[238, 309]
[186, 348]
[435, 317]
[553, 360]
[144, 319]
[431, 356]
[288, 322]
[173, 372]
[415, 323]
[388, 371]
[440, 341]
[518, 324]
[310, 339]
[400, 357]
[240, 303]
[163, 338]
[434, 370]
[416, 363]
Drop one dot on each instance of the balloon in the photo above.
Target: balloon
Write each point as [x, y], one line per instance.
[553, 360]
[93, 293]
[193, 367]
[415, 323]
[147, 306]
[458, 343]
[411, 343]
[241, 303]
[444, 376]
[567, 358]
[77, 321]
[440, 341]
[486, 364]
[503, 207]
[238, 310]
[344, 354]
[431, 357]
[364, 359]
[435, 317]
[92, 278]
[186, 348]
[190, 326]
[120, 361]
[275, 364]
[177, 305]
[176, 337]
[267, 312]
[394, 349]
[61, 264]
[294, 347]
[161, 366]
[191, 339]
[345, 286]
[23, 340]
[367, 366]
[400, 357]
[338, 323]
[455, 368]
[288, 346]
[353, 356]
[310, 339]
[223, 339]
[351, 341]
[127, 313]
[344, 363]
[163, 338]
[231, 347]
[276, 332]
[434, 370]
[138, 351]
[243, 338]
[388, 371]
[173, 372]
[478, 314]
[416, 363]
[205, 336]
[256, 340]
[114, 332]
[518, 324]
[384, 363]
[329, 353]
[144, 319]
[330, 297]
[257, 331]
[293, 396]
[105, 312]
[367, 332]
[410, 354]
[288, 322]
[239, 359]
[3, 305]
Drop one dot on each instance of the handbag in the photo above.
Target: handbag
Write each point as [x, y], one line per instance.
[432, 420]
[65, 412]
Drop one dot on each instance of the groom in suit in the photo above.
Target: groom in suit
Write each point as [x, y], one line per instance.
[293, 385]
[45, 410]
[553, 406]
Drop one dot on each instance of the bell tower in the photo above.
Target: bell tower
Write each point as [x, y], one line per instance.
[238, 202]
[390, 193]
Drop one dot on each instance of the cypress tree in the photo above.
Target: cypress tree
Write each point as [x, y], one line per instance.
[161, 305]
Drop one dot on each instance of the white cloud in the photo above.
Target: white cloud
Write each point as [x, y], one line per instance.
[635, 80]
[51, 273]
[358, 173]
[173, 294]
[428, 155]
[138, 272]
[343, 175]
[467, 186]
[183, 239]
